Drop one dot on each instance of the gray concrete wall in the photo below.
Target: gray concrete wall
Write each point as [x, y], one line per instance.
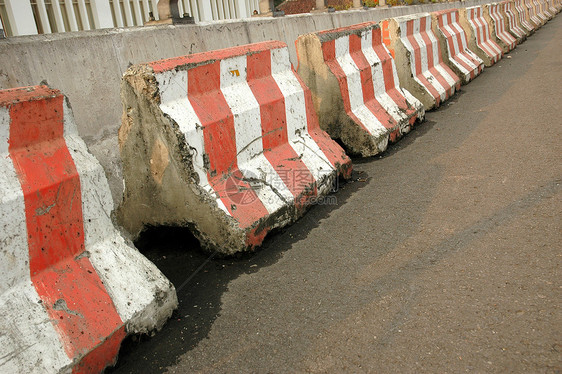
[87, 66]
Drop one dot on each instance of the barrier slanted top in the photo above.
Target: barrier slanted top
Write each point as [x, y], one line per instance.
[71, 288]
[418, 58]
[355, 85]
[462, 60]
[225, 142]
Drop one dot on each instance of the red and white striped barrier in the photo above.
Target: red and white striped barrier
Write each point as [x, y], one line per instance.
[71, 288]
[355, 87]
[465, 63]
[551, 7]
[479, 36]
[513, 22]
[226, 142]
[496, 12]
[418, 59]
[523, 15]
[540, 12]
[545, 9]
[532, 14]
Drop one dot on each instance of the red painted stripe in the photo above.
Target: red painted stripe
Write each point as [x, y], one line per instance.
[329, 53]
[367, 85]
[277, 149]
[72, 293]
[219, 136]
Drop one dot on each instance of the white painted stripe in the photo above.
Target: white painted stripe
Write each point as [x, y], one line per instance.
[174, 102]
[29, 341]
[14, 264]
[353, 75]
[265, 181]
[297, 127]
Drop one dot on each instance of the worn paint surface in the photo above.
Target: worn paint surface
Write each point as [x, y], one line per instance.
[57, 277]
[461, 59]
[257, 155]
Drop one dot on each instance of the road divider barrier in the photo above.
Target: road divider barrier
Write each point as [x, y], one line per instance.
[495, 16]
[465, 63]
[523, 16]
[226, 143]
[355, 87]
[513, 25]
[71, 288]
[417, 54]
[479, 37]
[540, 12]
[532, 15]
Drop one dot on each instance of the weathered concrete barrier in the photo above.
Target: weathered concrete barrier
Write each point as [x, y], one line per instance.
[513, 25]
[540, 12]
[495, 16]
[417, 52]
[71, 288]
[544, 7]
[550, 6]
[465, 63]
[532, 15]
[355, 87]
[479, 36]
[523, 15]
[225, 142]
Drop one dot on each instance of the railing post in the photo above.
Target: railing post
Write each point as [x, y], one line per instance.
[241, 10]
[21, 17]
[101, 12]
[205, 10]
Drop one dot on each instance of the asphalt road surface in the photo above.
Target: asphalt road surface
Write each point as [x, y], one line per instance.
[443, 255]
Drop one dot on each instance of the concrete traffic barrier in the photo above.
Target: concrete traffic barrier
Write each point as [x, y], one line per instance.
[550, 5]
[71, 288]
[465, 63]
[540, 12]
[544, 7]
[523, 16]
[532, 15]
[479, 37]
[495, 16]
[419, 61]
[355, 87]
[513, 25]
[226, 143]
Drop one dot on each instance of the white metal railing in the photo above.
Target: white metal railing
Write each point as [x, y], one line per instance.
[25, 17]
